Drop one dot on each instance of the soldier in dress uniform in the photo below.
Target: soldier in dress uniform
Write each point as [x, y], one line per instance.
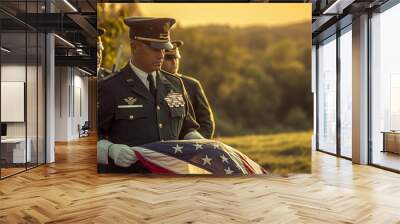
[202, 110]
[142, 104]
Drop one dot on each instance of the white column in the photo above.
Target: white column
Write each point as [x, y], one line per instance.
[50, 101]
[360, 90]
[50, 93]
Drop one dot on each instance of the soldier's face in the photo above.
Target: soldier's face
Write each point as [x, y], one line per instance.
[170, 64]
[147, 58]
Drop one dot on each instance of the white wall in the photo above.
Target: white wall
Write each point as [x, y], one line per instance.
[62, 80]
[81, 103]
[14, 73]
[71, 94]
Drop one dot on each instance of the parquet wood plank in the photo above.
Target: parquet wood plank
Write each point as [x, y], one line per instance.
[71, 191]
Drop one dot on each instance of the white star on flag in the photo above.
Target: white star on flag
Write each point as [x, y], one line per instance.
[198, 146]
[206, 160]
[215, 145]
[228, 171]
[178, 148]
[224, 159]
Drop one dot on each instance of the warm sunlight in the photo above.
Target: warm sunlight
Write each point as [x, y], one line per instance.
[234, 14]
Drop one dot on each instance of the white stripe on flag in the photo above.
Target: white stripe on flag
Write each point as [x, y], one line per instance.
[169, 162]
[256, 167]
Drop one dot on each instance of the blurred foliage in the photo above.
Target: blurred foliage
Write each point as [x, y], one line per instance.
[111, 18]
[279, 153]
[257, 79]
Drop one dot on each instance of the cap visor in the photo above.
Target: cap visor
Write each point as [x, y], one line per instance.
[166, 45]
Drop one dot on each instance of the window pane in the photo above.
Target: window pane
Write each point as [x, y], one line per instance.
[41, 98]
[345, 94]
[15, 150]
[327, 96]
[31, 96]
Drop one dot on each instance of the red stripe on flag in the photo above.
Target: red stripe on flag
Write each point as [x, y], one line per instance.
[151, 166]
[264, 171]
[248, 167]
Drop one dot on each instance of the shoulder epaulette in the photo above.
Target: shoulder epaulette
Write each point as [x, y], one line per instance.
[189, 78]
[109, 76]
[170, 74]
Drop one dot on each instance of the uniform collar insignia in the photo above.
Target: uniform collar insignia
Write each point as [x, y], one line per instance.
[130, 100]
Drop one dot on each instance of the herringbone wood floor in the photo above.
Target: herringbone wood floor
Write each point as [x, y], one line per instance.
[70, 191]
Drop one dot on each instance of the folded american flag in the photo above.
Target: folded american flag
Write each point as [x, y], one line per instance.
[195, 157]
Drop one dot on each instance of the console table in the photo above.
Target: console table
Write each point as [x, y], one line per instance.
[13, 150]
[391, 141]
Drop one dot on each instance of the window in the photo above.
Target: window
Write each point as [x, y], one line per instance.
[22, 68]
[327, 95]
[346, 92]
[385, 88]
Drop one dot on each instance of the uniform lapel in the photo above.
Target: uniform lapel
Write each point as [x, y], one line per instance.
[162, 87]
[132, 81]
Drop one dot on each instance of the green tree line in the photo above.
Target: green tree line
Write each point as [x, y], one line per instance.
[257, 79]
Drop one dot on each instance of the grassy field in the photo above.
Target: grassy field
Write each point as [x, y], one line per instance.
[279, 153]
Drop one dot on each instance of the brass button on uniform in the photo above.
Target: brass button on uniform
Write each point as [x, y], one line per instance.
[131, 117]
[160, 125]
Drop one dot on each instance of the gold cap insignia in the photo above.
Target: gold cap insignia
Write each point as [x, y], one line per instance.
[166, 26]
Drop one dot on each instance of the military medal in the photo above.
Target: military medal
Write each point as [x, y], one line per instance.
[174, 99]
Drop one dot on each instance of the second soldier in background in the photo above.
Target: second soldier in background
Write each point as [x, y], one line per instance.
[202, 110]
